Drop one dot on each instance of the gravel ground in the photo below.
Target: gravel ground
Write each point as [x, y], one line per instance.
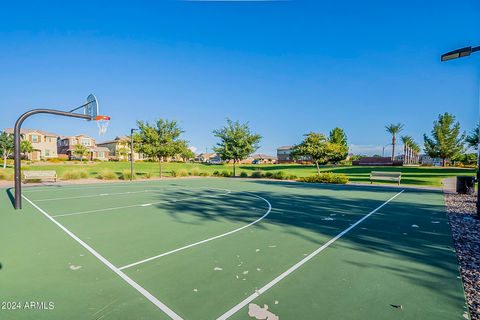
[466, 234]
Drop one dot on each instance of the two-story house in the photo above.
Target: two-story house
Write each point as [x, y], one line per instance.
[66, 148]
[44, 143]
[120, 149]
[284, 156]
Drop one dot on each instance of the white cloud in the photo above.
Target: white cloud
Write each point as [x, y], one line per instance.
[193, 149]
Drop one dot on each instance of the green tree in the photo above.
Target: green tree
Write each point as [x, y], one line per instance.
[187, 154]
[472, 138]
[160, 140]
[394, 129]
[339, 146]
[6, 146]
[315, 146]
[80, 151]
[237, 142]
[26, 147]
[123, 153]
[446, 141]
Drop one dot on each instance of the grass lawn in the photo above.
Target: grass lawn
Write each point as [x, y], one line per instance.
[425, 176]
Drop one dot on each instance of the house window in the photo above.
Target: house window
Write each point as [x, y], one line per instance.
[101, 154]
[47, 153]
[74, 141]
[34, 138]
[86, 142]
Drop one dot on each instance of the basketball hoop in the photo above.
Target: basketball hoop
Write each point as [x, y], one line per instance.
[102, 123]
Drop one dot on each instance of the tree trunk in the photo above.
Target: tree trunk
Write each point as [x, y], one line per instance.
[444, 162]
[393, 147]
[4, 160]
[161, 169]
[318, 167]
[234, 168]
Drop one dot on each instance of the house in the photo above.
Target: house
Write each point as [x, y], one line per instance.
[283, 156]
[44, 143]
[204, 157]
[66, 148]
[377, 161]
[427, 160]
[120, 149]
[263, 159]
[215, 159]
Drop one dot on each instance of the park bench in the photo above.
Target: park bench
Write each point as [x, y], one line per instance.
[385, 176]
[39, 175]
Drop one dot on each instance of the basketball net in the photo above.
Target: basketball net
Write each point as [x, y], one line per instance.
[102, 123]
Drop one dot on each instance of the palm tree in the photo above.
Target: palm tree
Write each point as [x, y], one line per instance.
[407, 140]
[393, 129]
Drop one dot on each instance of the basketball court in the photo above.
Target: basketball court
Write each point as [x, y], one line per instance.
[216, 248]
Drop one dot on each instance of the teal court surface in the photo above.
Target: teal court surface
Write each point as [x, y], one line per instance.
[220, 248]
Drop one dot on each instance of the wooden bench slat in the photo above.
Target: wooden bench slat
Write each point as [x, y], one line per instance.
[39, 175]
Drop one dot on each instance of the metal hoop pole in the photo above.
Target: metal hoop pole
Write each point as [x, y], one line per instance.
[17, 154]
[131, 153]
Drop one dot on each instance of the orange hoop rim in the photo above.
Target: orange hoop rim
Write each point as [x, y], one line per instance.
[97, 118]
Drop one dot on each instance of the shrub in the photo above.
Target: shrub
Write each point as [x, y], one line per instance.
[292, 177]
[204, 174]
[173, 173]
[226, 173]
[5, 175]
[243, 174]
[268, 175]
[327, 177]
[216, 173]
[280, 175]
[126, 175]
[182, 173]
[107, 174]
[147, 175]
[74, 174]
[195, 172]
[54, 160]
[257, 174]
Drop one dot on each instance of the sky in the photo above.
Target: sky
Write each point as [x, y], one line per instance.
[286, 67]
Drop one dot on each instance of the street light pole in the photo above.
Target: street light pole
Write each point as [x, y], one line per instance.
[460, 53]
[383, 149]
[131, 152]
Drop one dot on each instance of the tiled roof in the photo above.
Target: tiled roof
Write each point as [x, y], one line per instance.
[25, 131]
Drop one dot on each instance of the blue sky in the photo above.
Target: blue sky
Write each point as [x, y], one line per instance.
[287, 67]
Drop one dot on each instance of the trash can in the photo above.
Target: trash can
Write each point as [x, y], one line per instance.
[466, 184]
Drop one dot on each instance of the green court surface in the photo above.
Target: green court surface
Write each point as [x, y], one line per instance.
[218, 248]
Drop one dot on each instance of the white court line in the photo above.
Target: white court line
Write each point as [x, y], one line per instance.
[253, 296]
[122, 275]
[94, 195]
[90, 186]
[141, 204]
[206, 240]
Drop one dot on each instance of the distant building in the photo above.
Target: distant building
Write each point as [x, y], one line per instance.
[66, 148]
[119, 149]
[204, 157]
[263, 159]
[44, 143]
[427, 160]
[283, 156]
[215, 159]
